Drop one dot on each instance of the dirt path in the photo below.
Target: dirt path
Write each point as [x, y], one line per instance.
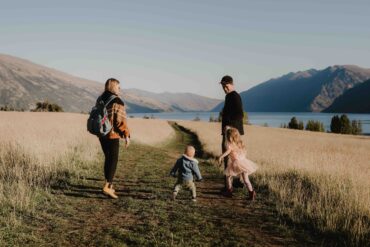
[79, 215]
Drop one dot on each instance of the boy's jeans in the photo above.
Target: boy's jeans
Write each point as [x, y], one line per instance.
[188, 184]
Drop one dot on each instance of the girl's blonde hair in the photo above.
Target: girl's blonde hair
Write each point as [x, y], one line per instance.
[110, 85]
[233, 137]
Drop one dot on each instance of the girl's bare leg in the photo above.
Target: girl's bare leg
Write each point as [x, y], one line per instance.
[246, 181]
[229, 180]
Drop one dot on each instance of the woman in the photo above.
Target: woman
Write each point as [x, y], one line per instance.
[110, 142]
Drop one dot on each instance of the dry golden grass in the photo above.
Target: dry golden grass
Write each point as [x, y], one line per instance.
[37, 148]
[318, 176]
[150, 131]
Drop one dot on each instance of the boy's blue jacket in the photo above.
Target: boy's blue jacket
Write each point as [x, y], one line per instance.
[186, 166]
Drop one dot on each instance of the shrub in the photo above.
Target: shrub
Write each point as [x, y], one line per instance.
[345, 125]
[284, 126]
[301, 125]
[245, 118]
[7, 108]
[335, 125]
[293, 124]
[315, 126]
[356, 127]
[220, 117]
[197, 118]
[45, 106]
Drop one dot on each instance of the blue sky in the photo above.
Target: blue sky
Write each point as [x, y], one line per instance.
[186, 46]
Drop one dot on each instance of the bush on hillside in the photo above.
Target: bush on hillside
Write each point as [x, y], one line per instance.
[47, 107]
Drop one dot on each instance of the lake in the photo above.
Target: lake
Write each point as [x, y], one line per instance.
[272, 119]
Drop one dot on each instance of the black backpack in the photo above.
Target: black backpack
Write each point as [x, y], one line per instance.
[98, 123]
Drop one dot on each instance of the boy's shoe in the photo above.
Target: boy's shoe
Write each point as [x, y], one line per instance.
[174, 196]
[252, 195]
[194, 199]
[109, 192]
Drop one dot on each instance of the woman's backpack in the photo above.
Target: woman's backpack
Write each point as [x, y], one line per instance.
[98, 123]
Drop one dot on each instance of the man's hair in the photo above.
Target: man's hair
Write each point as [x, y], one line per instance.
[227, 80]
[110, 83]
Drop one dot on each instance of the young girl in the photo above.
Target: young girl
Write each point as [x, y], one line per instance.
[238, 164]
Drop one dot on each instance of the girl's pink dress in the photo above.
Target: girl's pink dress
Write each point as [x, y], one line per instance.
[238, 163]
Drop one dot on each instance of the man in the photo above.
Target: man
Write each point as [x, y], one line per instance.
[232, 115]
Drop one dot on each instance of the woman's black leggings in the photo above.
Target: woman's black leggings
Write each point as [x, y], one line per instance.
[110, 148]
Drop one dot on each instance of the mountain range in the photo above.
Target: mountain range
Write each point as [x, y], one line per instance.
[304, 91]
[339, 88]
[23, 83]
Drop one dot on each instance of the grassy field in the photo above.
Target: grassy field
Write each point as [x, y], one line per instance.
[76, 213]
[39, 149]
[318, 179]
[51, 178]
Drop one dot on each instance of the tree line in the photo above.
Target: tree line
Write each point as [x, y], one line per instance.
[41, 106]
[339, 124]
[212, 118]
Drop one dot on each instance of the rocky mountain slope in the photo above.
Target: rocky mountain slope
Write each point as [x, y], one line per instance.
[23, 83]
[304, 91]
[355, 100]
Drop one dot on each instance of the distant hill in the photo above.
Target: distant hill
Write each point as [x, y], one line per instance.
[355, 100]
[178, 101]
[23, 83]
[304, 91]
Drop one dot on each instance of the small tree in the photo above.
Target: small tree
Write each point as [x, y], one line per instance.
[301, 125]
[245, 118]
[315, 126]
[197, 118]
[335, 125]
[345, 125]
[212, 119]
[293, 124]
[359, 128]
[219, 117]
[356, 127]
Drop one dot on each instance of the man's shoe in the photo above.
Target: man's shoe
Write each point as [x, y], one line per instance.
[194, 199]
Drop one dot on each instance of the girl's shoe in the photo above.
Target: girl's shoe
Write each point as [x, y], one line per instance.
[252, 195]
[228, 193]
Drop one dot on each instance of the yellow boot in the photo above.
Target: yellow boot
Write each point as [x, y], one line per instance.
[107, 190]
[106, 184]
